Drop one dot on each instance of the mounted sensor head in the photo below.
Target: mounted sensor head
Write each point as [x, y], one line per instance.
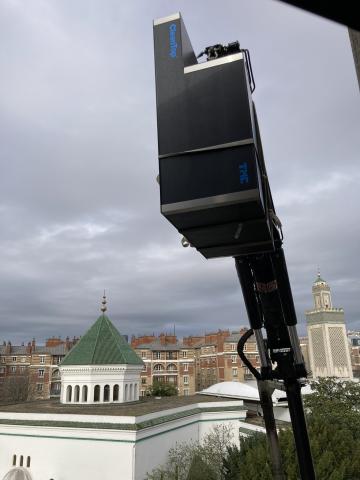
[218, 50]
[211, 173]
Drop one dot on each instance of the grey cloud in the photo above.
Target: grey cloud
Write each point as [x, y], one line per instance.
[79, 204]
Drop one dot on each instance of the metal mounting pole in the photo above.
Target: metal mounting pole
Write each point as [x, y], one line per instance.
[268, 298]
[265, 393]
[264, 387]
[293, 392]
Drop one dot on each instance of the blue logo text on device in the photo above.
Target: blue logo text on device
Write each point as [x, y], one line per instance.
[244, 173]
[172, 39]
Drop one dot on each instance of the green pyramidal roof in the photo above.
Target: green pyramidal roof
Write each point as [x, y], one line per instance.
[318, 279]
[102, 344]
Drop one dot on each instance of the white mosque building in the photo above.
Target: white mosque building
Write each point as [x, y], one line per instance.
[101, 367]
[100, 429]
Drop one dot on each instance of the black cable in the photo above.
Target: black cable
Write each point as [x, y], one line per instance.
[219, 50]
[252, 88]
[240, 350]
[249, 69]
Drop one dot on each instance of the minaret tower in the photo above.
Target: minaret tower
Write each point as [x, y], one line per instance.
[329, 352]
[321, 293]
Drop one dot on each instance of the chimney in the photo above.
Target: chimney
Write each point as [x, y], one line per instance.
[170, 339]
[33, 345]
[8, 348]
[67, 344]
[53, 342]
[142, 339]
[243, 330]
[28, 348]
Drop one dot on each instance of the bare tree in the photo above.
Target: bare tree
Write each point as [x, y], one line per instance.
[16, 388]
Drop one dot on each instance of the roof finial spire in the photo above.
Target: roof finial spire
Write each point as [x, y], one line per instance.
[103, 304]
[318, 272]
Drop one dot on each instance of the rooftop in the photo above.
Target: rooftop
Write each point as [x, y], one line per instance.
[156, 345]
[233, 338]
[15, 350]
[39, 349]
[318, 279]
[241, 390]
[142, 407]
[102, 344]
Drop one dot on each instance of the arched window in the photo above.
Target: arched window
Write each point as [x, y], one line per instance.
[116, 393]
[84, 393]
[136, 392]
[158, 367]
[21, 460]
[106, 393]
[97, 393]
[126, 393]
[19, 473]
[14, 460]
[171, 367]
[28, 460]
[68, 393]
[131, 392]
[76, 393]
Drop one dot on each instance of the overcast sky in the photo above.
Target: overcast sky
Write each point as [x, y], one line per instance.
[79, 205]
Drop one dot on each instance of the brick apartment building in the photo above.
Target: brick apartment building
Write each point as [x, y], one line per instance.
[195, 363]
[354, 342]
[191, 365]
[166, 360]
[32, 370]
[198, 362]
